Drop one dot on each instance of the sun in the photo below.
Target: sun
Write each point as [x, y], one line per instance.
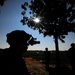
[37, 20]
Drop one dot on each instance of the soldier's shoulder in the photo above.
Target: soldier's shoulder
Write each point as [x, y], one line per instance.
[3, 51]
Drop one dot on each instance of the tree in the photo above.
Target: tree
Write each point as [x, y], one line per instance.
[56, 19]
[2, 2]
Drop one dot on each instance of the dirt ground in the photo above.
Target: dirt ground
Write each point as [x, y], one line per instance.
[35, 67]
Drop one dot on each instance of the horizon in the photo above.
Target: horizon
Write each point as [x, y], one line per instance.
[10, 20]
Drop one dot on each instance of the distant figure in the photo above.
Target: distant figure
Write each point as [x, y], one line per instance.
[11, 61]
[47, 58]
[71, 56]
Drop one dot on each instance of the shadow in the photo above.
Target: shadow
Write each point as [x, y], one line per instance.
[64, 70]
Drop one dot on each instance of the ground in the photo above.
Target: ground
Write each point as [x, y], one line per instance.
[35, 67]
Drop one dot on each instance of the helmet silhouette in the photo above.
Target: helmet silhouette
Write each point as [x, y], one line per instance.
[72, 44]
[17, 36]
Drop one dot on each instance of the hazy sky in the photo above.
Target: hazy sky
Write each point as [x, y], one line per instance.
[10, 16]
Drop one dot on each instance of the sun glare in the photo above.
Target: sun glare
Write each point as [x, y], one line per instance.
[37, 20]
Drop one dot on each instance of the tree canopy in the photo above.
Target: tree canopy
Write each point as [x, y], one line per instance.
[2, 2]
[56, 17]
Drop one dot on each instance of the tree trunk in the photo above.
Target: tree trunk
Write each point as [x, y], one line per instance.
[57, 52]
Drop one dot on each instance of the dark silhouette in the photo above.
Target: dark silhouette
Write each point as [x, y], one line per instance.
[47, 58]
[71, 56]
[2, 2]
[11, 61]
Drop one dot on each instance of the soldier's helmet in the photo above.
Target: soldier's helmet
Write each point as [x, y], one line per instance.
[72, 44]
[17, 36]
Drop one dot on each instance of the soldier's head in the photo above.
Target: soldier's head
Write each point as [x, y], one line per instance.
[17, 36]
[72, 44]
[18, 39]
[46, 49]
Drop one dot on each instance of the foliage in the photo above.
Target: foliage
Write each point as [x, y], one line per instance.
[2, 2]
[57, 17]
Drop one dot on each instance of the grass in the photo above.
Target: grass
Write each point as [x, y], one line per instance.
[39, 55]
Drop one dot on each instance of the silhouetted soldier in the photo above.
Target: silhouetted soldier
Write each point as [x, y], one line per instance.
[47, 58]
[11, 62]
[71, 56]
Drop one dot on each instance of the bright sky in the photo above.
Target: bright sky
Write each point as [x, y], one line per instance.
[10, 16]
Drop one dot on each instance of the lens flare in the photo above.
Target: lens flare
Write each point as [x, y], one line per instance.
[37, 20]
